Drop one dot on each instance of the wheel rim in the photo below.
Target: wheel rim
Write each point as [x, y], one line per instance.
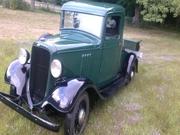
[81, 118]
[132, 74]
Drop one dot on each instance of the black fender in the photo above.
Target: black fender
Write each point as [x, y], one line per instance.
[16, 75]
[133, 57]
[132, 60]
[64, 98]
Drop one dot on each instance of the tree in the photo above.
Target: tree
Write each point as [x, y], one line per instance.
[158, 10]
[129, 5]
[33, 4]
[132, 9]
[151, 10]
[176, 9]
[59, 2]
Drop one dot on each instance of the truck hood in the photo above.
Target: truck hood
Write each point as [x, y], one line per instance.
[68, 41]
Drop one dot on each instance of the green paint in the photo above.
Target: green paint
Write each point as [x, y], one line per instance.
[85, 55]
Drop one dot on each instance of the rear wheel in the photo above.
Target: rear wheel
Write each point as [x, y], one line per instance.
[76, 121]
[131, 74]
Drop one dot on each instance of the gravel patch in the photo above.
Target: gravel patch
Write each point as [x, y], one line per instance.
[133, 107]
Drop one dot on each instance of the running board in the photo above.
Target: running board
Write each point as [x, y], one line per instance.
[113, 88]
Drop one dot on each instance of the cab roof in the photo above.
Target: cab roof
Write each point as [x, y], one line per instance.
[95, 8]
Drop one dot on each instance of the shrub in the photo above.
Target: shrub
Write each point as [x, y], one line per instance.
[6, 3]
[16, 4]
[1, 2]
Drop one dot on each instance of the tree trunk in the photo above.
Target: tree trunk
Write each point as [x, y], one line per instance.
[33, 4]
[136, 18]
[178, 22]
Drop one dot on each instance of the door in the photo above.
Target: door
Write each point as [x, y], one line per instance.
[111, 49]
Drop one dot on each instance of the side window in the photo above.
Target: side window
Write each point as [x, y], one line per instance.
[112, 25]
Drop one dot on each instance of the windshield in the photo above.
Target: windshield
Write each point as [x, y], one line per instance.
[85, 22]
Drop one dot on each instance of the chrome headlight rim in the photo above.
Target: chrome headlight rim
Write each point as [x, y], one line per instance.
[56, 68]
[24, 56]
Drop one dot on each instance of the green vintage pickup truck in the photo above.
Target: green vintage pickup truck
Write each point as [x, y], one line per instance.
[65, 73]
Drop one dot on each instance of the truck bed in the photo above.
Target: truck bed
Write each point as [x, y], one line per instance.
[131, 44]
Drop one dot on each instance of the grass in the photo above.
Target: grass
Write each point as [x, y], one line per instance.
[150, 105]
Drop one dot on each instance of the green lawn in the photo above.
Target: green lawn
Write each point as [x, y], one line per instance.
[150, 105]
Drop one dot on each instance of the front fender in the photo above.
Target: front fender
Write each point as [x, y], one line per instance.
[16, 75]
[64, 97]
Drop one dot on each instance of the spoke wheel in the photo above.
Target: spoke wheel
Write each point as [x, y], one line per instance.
[76, 121]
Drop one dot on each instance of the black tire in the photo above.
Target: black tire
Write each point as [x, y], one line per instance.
[73, 125]
[130, 76]
[13, 91]
[132, 72]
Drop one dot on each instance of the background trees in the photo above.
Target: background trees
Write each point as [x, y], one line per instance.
[159, 10]
[153, 11]
[156, 11]
[33, 4]
[15, 4]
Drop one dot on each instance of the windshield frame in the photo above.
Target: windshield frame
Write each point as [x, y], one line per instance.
[62, 23]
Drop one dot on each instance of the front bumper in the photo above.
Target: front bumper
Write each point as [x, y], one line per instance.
[6, 99]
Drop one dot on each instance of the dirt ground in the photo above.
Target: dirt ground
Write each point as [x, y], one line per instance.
[20, 25]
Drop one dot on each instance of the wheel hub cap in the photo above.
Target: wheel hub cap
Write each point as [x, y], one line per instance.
[81, 116]
[132, 74]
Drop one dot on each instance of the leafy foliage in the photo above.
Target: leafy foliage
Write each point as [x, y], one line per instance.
[176, 5]
[109, 1]
[129, 5]
[158, 10]
[57, 2]
[151, 10]
[15, 4]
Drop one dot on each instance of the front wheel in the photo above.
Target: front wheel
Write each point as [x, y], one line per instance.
[76, 121]
[13, 91]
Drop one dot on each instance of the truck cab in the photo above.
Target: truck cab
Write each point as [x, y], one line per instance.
[88, 58]
[106, 27]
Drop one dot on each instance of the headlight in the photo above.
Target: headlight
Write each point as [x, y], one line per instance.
[23, 56]
[56, 68]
